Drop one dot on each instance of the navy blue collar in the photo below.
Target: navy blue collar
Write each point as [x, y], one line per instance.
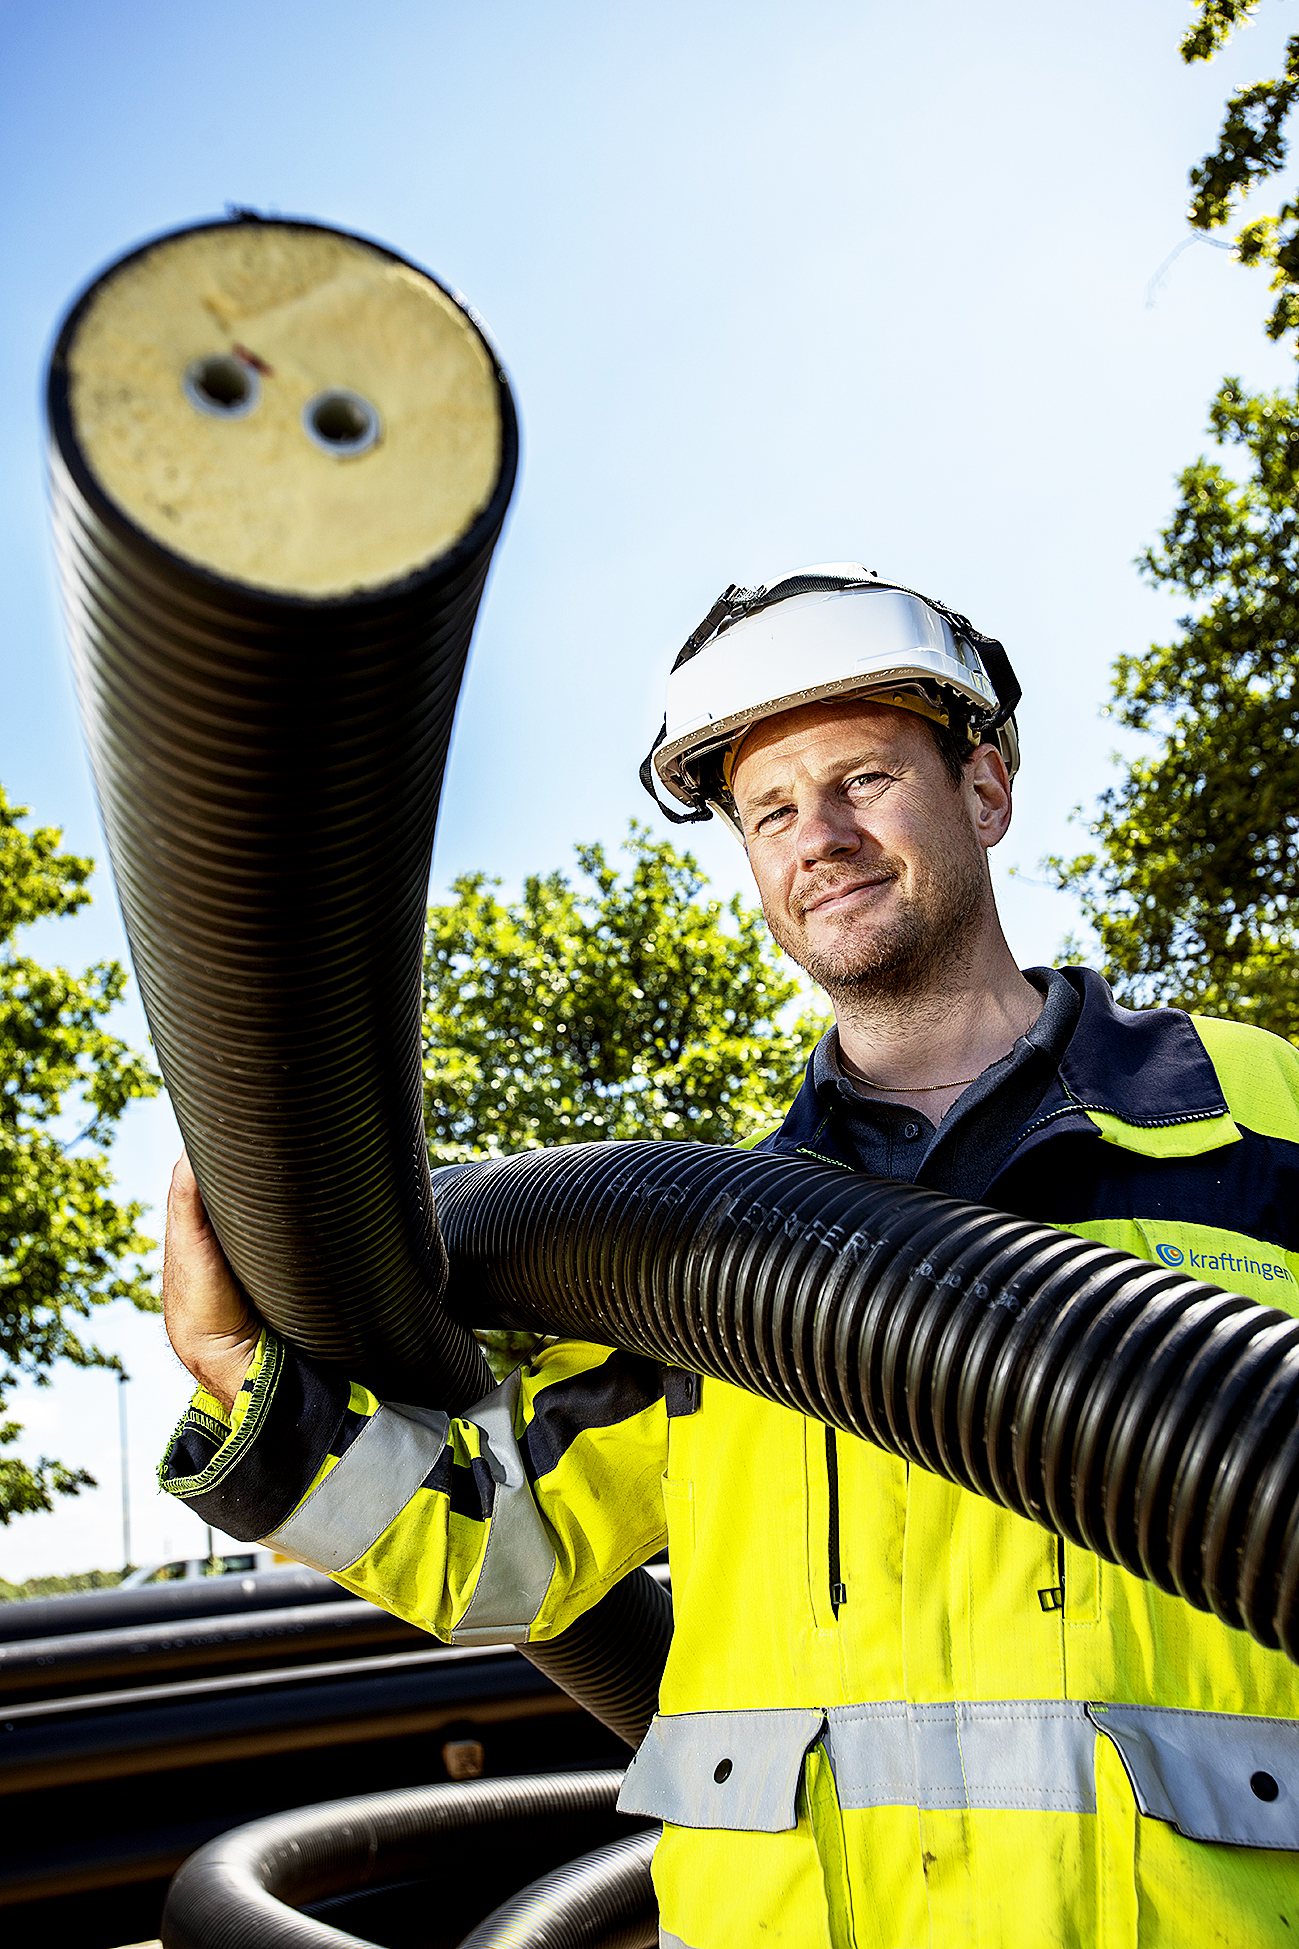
[1145, 1067]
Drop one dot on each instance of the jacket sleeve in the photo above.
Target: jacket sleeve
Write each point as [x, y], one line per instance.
[500, 1526]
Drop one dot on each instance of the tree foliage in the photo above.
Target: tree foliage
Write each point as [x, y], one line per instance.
[1191, 886]
[625, 1006]
[1213, 25]
[1251, 149]
[66, 1245]
[1191, 889]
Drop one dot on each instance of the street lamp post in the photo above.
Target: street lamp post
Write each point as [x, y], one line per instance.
[126, 1481]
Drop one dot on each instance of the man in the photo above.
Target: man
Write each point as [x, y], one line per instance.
[894, 1714]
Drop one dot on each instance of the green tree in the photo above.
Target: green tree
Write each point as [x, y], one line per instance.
[623, 1007]
[66, 1246]
[1251, 149]
[1191, 884]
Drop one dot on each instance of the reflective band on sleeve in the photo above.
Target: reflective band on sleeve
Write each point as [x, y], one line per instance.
[366, 1490]
[1216, 1776]
[1033, 1753]
[737, 1770]
[667, 1941]
[519, 1560]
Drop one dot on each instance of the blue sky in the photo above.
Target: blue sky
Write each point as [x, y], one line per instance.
[773, 284]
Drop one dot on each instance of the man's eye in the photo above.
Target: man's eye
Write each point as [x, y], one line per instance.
[866, 780]
[770, 820]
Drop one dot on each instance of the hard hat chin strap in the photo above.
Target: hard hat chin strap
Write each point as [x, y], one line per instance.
[998, 666]
[700, 812]
[732, 603]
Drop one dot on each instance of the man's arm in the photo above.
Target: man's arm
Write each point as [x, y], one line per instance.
[501, 1525]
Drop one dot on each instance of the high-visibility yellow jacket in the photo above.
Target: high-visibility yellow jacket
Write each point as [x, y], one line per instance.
[893, 1714]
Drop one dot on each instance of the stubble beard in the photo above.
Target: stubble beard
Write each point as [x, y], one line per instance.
[909, 957]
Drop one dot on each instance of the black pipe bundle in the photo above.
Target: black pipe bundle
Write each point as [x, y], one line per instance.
[280, 459]
[1144, 1416]
[147, 1654]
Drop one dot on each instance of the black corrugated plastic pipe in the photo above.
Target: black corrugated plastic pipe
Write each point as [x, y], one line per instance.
[1142, 1415]
[603, 1900]
[148, 1654]
[244, 1890]
[268, 764]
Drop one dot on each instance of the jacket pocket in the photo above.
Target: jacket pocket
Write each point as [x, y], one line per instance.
[738, 1770]
[1157, 1885]
[1214, 1776]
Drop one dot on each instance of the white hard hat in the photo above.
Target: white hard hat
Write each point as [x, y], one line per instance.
[834, 630]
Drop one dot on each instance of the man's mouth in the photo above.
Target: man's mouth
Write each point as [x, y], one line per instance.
[826, 899]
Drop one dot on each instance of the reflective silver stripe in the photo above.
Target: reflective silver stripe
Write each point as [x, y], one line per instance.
[1207, 1773]
[519, 1560]
[367, 1488]
[667, 1941]
[1031, 1753]
[738, 1770]
[1202, 1771]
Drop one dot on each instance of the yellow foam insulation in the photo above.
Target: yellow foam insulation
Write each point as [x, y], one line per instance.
[254, 499]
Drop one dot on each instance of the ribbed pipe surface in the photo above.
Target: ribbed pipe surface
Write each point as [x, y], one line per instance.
[268, 771]
[1144, 1416]
[611, 1660]
[244, 1890]
[603, 1900]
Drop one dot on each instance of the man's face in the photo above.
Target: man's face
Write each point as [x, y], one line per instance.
[871, 865]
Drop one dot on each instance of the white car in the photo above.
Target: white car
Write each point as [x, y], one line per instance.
[190, 1569]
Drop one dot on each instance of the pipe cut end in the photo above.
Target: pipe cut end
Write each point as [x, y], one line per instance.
[217, 379]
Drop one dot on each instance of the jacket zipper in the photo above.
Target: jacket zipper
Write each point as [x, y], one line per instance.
[838, 1591]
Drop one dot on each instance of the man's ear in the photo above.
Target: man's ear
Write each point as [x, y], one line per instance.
[987, 784]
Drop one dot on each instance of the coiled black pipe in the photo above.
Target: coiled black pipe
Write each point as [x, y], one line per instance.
[244, 1890]
[1144, 1416]
[603, 1900]
[268, 765]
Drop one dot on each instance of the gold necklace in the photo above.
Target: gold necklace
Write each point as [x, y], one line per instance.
[902, 1089]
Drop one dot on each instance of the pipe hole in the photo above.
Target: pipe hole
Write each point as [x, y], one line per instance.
[223, 386]
[341, 422]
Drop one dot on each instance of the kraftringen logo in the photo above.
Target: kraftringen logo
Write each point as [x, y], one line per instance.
[1220, 1261]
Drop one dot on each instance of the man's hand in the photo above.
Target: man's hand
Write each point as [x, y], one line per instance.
[208, 1321]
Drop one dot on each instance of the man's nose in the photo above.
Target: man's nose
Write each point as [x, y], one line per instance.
[826, 830]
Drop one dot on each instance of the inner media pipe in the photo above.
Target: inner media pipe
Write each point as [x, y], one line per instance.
[280, 458]
[1144, 1416]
